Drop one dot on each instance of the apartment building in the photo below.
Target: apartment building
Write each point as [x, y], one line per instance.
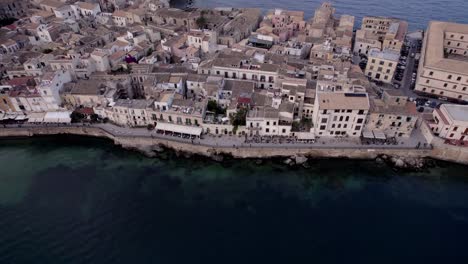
[340, 114]
[265, 121]
[14, 8]
[451, 122]
[381, 65]
[380, 32]
[443, 67]
[132, 113]
[240, 67]
[392, 115]
[50, 86]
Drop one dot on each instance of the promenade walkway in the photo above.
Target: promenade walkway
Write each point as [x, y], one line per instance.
[416, 141]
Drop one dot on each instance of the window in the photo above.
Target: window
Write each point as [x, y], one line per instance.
[381, 62]
[361, 112]
[431, 73]
[324, 120]
[449, 77]
[455, 128]
[322, 127]
[458, 78]
[390, 64]
[357, 128]
[427, 81]
[360, 120]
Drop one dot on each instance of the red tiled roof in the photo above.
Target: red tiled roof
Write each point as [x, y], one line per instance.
[19, 81]
[85, 111]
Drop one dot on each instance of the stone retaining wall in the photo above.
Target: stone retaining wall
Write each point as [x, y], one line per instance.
[145, 144]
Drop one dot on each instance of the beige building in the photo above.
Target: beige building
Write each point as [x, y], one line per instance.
[266, 121]
[393, 115]
[443, 70]
[340, 114]
[380, 32]
[381, 65]
[132, 113]
[451, 122]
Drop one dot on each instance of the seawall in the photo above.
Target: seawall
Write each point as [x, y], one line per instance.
[147, 144]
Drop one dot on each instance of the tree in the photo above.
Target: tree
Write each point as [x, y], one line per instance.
[239, 118]
[76, 117]
[215, 108]
[201, 22]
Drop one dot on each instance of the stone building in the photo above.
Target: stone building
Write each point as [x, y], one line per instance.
[381, 65]
[339, 114]
[392, 114]
[443, 70]
[451, 122]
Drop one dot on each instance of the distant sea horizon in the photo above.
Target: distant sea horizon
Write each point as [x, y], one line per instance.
[417, 12]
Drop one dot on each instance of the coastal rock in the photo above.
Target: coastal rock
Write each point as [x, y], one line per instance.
[215, 157]
[300, 159]
[289, 162]
[400, 163]
[157, 148]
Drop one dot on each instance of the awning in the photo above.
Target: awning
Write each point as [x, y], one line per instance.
[188, 130]
[305, 135]
[379, 135]
[21, 117]
[367, 134]
[57, 117]
[36, 117]
[10, 116]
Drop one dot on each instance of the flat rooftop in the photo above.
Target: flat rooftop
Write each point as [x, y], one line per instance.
[457, 112]
[434, 56]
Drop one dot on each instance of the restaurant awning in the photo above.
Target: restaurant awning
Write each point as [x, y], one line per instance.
[305, 135]
[21, 117]
[36, 117]
[368, 134]
[188, 130]
[57, 117]
[379, 135]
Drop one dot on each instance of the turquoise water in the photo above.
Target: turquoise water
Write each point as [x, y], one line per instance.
[81, 200]
[416, 12]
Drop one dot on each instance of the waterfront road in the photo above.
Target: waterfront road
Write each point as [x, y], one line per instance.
[417, 140]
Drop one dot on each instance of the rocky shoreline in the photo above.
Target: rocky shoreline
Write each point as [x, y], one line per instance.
[400, 159]
[396, 162]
